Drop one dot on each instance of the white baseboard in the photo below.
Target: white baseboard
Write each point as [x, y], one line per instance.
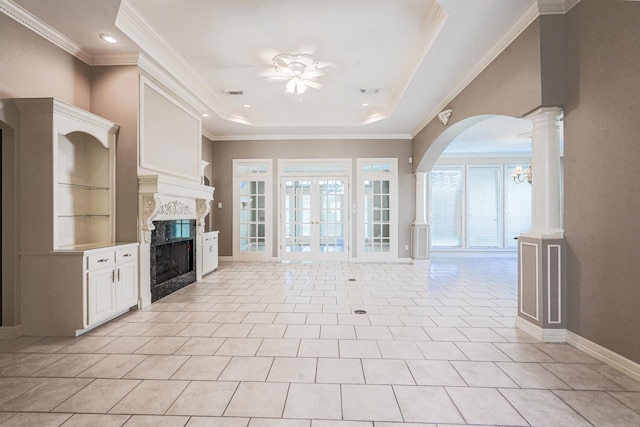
[616, 361]
[621, 363]
[10, 332]
[544, 335]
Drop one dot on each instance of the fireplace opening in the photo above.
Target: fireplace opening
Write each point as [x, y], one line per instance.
[172, 256]
[173, 260]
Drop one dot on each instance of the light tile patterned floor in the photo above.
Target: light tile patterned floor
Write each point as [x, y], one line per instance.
[279, 345]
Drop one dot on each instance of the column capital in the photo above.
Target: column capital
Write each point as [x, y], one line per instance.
[544, 110]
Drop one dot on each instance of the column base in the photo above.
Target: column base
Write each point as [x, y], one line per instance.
[542, 285]
[542, 334]
[420, 241]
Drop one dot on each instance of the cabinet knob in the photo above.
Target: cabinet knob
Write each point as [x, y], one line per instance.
[103, 260]
[126, 255]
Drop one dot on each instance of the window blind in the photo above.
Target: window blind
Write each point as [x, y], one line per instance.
[446, 207]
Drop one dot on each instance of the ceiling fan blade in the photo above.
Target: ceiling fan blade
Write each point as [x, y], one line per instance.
[314, 73]
[325, 64]
[312, 84]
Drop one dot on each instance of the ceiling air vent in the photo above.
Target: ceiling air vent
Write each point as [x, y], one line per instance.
[370, 90]
[233, 92]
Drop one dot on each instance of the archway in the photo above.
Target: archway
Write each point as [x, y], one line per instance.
[477, 206]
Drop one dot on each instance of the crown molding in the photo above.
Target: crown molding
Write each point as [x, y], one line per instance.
[115, 59]
[301, 137]
[44, 30]
[431, 27]
[208, 135]
[47, 32]
[555, 7]
[498, 47]
[167, 65]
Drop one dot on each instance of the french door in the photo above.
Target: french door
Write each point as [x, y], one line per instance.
[314, 216]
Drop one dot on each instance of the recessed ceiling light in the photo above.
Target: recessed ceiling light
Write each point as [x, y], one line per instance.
[205, 114]
[108, 38]
[364, 104]
[247, 105]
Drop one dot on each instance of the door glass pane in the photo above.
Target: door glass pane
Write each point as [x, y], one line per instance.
[446, 207]
[252, 216]
[331, 215]
[376, 216]
[483, 198]
[297, 194]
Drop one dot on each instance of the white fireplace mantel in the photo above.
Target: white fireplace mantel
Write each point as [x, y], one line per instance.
[164, 197]
[167, 185]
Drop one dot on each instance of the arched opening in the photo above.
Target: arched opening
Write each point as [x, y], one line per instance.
[473, 202]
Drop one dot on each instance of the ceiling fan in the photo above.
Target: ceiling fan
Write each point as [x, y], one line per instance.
[299, 70]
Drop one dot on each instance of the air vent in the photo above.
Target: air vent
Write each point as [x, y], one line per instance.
[370, 90]
[233, 92]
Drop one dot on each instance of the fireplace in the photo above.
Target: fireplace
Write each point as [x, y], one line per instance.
[172, 213]
[172, 256]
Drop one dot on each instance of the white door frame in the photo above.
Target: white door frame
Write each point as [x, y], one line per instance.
[255, 172]
[314, 169]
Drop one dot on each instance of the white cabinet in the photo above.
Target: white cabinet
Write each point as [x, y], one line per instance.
[209, 251]
[126, 278]
[112, 283]
[73, 275]
[101, 294]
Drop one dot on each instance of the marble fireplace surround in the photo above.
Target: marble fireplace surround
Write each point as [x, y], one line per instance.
[161, 198]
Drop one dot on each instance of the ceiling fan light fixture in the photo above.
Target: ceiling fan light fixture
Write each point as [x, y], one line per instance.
[298, 70]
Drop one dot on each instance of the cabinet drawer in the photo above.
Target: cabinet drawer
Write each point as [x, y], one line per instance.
[100, 260]
[126, 255]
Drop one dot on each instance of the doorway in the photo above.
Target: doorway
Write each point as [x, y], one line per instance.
[315, 218]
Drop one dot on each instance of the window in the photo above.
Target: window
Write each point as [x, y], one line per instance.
[377, 209]
[477, 207]
[252, 210]
[517, 208]
[483, 207]
[446, 207]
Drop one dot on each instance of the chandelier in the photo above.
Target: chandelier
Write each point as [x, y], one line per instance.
[520, 175]
[298, 70]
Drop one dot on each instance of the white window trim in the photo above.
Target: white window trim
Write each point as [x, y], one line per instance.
[361, 176]
[268, 178]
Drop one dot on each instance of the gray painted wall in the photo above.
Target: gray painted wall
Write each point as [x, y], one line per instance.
[222, 176]
[510, 86]
[114, 96]
[602, 158]
[42, 70]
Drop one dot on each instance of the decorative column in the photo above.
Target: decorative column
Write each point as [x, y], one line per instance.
[420, 240]
[542, 250]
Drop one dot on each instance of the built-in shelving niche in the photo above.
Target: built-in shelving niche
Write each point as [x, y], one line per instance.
[83, 192]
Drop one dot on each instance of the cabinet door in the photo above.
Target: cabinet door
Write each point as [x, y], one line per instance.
[101, 295]
[127, 285]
